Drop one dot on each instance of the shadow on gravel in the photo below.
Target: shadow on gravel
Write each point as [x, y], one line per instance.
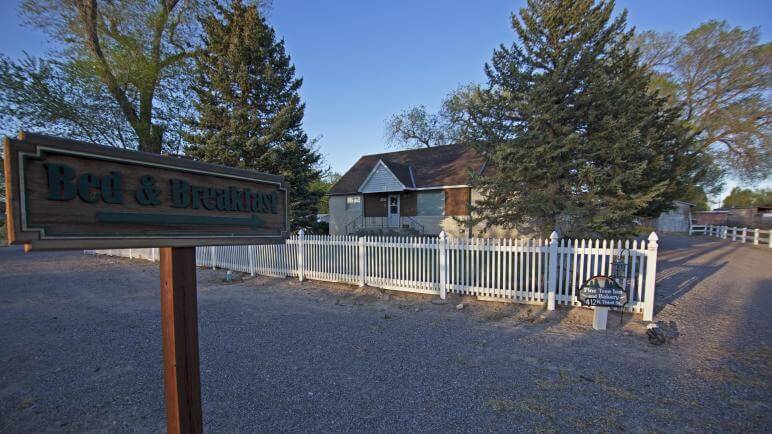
[681, 270]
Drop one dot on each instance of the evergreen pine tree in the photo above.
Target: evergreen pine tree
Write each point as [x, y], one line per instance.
[574, 137]
[249, 110]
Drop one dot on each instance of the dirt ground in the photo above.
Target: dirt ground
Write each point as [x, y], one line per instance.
[81, 351]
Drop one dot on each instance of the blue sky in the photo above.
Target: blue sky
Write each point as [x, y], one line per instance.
[362, 61]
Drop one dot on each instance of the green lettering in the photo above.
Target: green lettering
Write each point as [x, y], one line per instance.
[209, 198]
[60, 185]
[265, 206]
[222, 199]
[274, 202]
[196, 194]
[180, 191]
[86, 183]
[112, 188]
[253, 201]
[237, 199]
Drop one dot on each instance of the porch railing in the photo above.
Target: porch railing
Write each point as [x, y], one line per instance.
[362, 222]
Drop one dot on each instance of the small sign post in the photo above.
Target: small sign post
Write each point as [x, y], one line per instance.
[63, 194]
[602, 292]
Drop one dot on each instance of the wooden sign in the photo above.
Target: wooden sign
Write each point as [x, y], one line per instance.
[602, 291]
[64, 194]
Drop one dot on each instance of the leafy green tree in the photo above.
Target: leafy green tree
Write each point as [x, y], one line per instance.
[114, 75]
[53, 97]
[721, 76]
[416, 127]
[746, 198]
[323, 185]
[574, 137]
[696, 196]
[249, 112]
[117, 72]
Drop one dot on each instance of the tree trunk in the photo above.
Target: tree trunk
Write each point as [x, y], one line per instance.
[150, 136]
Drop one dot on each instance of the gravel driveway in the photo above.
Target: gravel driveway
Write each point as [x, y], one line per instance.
[81, 351]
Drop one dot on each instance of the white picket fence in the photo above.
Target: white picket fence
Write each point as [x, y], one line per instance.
[526, 270]
[744, 235]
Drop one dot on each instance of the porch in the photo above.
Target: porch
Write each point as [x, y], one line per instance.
[398, 225]
[386, 213]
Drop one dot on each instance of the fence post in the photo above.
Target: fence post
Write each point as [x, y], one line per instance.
[769, 237]
[442, 252]
[251, 254]
[553, 271]
[301, 274]
[734, 233]
[651, 276]
[745, 234]
[756, 237]
[723, 232]
[214, 257]
[362, 261]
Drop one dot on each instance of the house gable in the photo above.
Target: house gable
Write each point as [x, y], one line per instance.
[380, 180]
[416, 169]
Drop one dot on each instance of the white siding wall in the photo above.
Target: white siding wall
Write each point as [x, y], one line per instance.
[382, 181]
[340, 216]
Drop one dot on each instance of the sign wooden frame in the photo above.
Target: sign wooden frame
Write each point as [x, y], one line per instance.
[186, 229]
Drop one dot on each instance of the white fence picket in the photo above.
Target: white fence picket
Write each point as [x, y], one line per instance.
[515, 270]
[756, 235]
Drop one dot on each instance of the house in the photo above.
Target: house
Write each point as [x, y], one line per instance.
[752, 217]
[414, 192]
[715, 218]
[426, 191]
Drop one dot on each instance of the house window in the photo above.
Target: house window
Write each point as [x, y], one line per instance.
[353, 203]
[430, 203]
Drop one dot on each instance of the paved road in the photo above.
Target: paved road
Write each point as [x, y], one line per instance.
[81, 351]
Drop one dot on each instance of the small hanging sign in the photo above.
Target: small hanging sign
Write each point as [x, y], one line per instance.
[602, 291]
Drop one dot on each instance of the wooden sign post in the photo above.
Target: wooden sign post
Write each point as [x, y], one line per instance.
[179, 322]
[63, 194]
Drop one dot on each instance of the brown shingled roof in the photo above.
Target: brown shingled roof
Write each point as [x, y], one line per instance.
[431, 167]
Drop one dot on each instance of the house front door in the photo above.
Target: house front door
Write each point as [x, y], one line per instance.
[393, 210]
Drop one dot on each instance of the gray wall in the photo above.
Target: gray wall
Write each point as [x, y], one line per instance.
[340, 216]
[381, 181]
[675, 220]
